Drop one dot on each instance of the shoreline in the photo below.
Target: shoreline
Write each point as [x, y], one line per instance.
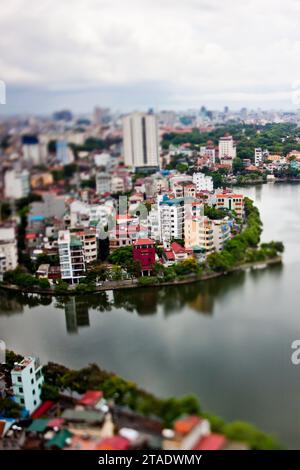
[133, 284]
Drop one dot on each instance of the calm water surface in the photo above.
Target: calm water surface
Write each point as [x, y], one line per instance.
[228, 341]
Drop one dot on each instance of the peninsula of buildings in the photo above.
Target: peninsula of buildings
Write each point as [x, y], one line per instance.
[88, 202]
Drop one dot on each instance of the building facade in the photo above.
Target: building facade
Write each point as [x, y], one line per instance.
[203, 182]
[140, 141]
[16, 184]
[144, 253]
[171, 213]
[71, 257]
[227, 148]
[232, 202]
[8, 249]
[27, 380]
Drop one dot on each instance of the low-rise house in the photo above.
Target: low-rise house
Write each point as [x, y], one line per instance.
[212, 441]
[144, 253]
[179, 252]
[43, 271]
[186, 433]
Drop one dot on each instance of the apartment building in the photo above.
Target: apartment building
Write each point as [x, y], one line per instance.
[227, 149]
[103, 182]
[209, 151]
[71, 257]
[231, 201]
[140, 140]
[27, 380]
[31, 149]
[171, 213]
[199, 233]
[203, 182]
[8, 249]
[89, 242]
[16, 184]
[221, 233]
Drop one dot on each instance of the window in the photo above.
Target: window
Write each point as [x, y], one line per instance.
[32, 381]
[34, 402]
[21, 389]
[33, 392]
[19, 379]
[31, 370]
[22, 401]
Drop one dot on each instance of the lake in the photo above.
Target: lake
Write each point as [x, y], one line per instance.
[227, 340]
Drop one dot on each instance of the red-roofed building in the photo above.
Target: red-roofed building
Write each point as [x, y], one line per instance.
[114, 443]
[211, 442]
[91, 398]
[186, 424]
[179, 252]
[42, 409]
[56, 423]
[144, 253]
[168, 257]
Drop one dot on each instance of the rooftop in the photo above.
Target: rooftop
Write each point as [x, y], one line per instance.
[144, 241]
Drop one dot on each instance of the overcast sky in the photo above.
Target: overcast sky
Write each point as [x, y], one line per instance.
[131, 54]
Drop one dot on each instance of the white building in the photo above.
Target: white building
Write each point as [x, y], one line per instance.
[203, 182]
[103, 160]
[221, 233]
[16, 184]
[83, 214]
[71, 257]
[27, 380]
[8, 249]
[140, 140]
[227, 148]
[103, 182]
[153, 224]
[31, 149]
[171, 213]
[260, 155]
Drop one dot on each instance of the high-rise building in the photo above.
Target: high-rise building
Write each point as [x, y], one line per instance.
[140, 140]
[171, 213]
[31, 149]
[227, 148]
[8, 249]
[16, 184]
[71, 257]
[27, 380]
[64, 154]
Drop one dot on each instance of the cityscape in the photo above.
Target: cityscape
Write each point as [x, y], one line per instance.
[149, 261]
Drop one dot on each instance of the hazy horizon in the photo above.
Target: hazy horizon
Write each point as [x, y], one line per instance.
[140, 54]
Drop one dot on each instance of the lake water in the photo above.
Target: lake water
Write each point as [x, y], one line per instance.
[227, 340]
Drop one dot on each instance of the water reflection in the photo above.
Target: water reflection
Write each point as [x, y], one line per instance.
[200, 297]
